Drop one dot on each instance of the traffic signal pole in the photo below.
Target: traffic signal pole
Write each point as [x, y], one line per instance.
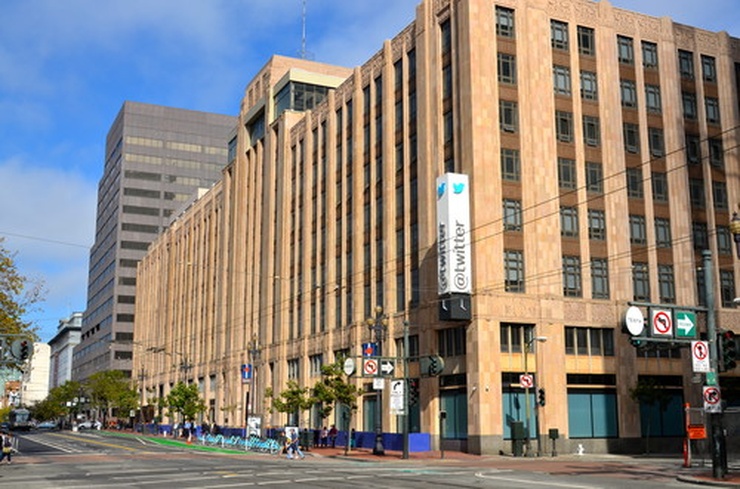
[719, 448]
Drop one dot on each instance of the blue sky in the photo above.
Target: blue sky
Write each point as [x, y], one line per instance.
[66, 67]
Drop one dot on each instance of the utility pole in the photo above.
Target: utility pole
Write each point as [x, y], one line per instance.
[719, 448]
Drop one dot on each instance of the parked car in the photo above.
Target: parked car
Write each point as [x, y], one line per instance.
[47, 425]
[89, 425]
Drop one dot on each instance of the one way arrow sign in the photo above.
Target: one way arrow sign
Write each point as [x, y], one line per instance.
[387, 367]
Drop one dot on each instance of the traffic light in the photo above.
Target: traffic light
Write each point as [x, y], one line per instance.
[413, 386]
[728, 350]
[541, 396]
[25, 350]
[637, 341]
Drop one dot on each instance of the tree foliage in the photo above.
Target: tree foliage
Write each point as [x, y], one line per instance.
[294, 399]
[18, 296]
[334, 389]
[649, 392]
[185, 400]
[111, 389]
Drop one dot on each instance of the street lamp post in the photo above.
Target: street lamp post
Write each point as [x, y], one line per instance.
[254, 355]
[378, 325]
[527, 403]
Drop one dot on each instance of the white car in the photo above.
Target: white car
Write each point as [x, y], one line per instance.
[89, 425]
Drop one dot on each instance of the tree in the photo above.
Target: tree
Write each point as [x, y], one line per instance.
[294, 399]
[185, 400]
[18, 296]
[111, 389]
[649, 392]
[334, 390]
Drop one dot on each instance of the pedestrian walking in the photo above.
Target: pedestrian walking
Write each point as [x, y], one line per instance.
[8, 448]
[294, 450]
[333, 435]
[324, 437]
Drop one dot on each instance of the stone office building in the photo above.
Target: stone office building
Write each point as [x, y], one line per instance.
[600, 148]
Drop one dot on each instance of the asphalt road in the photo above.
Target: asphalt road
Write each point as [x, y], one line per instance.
[64, 460]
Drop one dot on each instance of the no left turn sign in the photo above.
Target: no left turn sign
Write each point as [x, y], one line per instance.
[526, 380]
[662, 323]
[370, 366]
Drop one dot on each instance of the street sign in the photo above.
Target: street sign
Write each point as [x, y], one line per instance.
[387, 367]
[662, 322]
[246, 372]
[368, 349]
[398, 388]
[369, 366]
[700, 356]
[685, 324]
[634, 321]
[378, 383]
[712, 399]
[349, 366]
[526, 380]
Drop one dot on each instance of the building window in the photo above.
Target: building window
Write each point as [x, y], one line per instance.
[505, 22]
[727, 287]
[696, 192]
[507, 68]
[724, 240]
[564, 126]
[640, 282]
[686, 64]
[638, 231]
[513, 271]
[294, 369]
[592, 413]
[700, 236]
[561, 80]
[625, 50]
[708, 69]
[589, 341]
[689, 105]
[631, 137]
[316, 362]
[591, 131]
[712, 106]
[666, 284]
[649, 54]
[634, 183]
[513, 336]
[512, 215]
[510, 169]
[508, 116]
[567, 173]
[451, 342]
[716, 152]
[657, 142]
[662, 233]
[594, 177]
[629, 93]
[596, 224]
[693, 149]
[586, 41]
[589, 86]
[719, 192]
[660, 187]
[652, 99]
[559, 35]
[572, 276]
[569, 221]
[599, 278]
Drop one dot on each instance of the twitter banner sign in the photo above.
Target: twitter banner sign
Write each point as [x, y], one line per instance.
[454, 267]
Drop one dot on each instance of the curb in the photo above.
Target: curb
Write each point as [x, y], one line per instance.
[706, 482]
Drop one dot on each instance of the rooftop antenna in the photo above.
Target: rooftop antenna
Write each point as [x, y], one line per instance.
[303, 53]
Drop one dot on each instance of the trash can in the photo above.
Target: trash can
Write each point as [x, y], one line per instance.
[306, 439]
[517, 438]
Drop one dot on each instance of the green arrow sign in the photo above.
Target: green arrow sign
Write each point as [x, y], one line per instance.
[685, 324]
